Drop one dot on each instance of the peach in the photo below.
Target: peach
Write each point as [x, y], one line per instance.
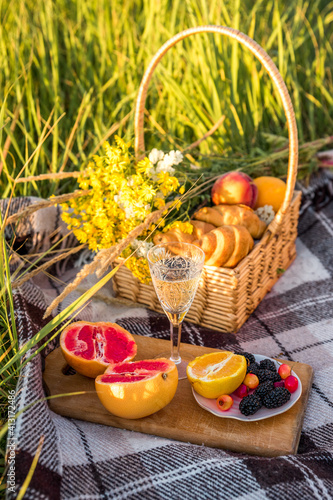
[234, 188]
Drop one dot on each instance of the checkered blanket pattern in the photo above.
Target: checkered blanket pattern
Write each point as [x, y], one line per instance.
[81, 460]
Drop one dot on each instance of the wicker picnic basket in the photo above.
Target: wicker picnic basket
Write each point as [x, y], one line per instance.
[227, 297]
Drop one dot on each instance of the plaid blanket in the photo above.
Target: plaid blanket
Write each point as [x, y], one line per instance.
[80, 460]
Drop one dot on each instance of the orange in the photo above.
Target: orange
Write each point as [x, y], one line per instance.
[271, 191]
[139, 388]
[216, 373]
[90, 348]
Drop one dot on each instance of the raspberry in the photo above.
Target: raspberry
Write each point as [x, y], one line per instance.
[277, 397]
[250, 405]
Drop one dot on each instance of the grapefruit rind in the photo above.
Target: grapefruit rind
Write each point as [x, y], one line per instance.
[216, 373]
[90, 356]
[135, 389]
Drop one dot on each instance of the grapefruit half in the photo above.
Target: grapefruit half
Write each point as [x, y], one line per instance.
[90, 348]
[138, 388]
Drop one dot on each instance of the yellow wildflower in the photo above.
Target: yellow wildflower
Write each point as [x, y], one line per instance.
[144, 166]
[122, 193]
[184, 227]
[159, 203]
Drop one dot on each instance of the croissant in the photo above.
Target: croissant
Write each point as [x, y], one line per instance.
[225, 246]
[200, 228]
[175, 234]
[241, 215]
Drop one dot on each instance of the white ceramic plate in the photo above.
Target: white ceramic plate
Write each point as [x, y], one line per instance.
[210, 404]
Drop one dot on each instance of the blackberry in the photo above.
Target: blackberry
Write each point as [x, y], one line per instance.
[250, 405]
[249, 357]
[264, 375]
[253, 368]
[277, 397]
[264, 388]
[268, 364]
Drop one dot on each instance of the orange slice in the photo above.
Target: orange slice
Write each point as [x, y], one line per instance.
[216, 373]
[138, 388]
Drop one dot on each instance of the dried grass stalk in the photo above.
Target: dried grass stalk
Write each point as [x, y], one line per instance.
[206, 135]
[43, 177]
[163, 132]
[46, 265]
[44, 204]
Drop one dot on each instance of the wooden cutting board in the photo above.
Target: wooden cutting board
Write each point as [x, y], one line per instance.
[182, 419]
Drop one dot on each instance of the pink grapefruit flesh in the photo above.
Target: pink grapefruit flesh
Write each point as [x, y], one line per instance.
[91, 347]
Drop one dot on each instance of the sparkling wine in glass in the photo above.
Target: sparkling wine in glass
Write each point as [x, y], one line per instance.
[175, 269]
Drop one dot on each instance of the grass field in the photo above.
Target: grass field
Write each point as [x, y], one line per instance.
[82, 62]
[70, 71]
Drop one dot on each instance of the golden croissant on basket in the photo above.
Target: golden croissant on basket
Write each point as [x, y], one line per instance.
[224, 246]
[221, 215]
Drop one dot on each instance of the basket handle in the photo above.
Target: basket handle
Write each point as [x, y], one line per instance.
[273, 72]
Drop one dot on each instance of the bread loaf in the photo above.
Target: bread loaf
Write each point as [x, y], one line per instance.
[225, 246]
[175, 234]
[240, 215]
[200, 228]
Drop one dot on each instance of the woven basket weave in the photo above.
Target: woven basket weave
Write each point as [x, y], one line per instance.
[226, 297]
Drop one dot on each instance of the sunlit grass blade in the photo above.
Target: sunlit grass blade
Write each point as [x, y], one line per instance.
[57, 320]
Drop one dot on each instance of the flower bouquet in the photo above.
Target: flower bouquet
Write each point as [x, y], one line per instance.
[123, 192]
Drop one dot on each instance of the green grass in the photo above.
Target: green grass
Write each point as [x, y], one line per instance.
[69, 75]
[86, 59]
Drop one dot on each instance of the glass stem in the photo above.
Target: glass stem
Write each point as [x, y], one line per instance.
[175, 335]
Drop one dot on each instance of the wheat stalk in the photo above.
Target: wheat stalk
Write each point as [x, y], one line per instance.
[46, 265]
[44, 204]
[43, 177]
[106, 256]
[206, 135]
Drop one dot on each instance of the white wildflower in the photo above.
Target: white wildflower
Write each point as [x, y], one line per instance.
[117, 200]
[153, 175]
[129, 212]
[164, 167]
[142, 246]
[266, 213]
[173, 158]
[160, 166]
[155, 155]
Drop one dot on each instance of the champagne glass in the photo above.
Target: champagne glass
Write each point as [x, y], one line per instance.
[175, 269]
